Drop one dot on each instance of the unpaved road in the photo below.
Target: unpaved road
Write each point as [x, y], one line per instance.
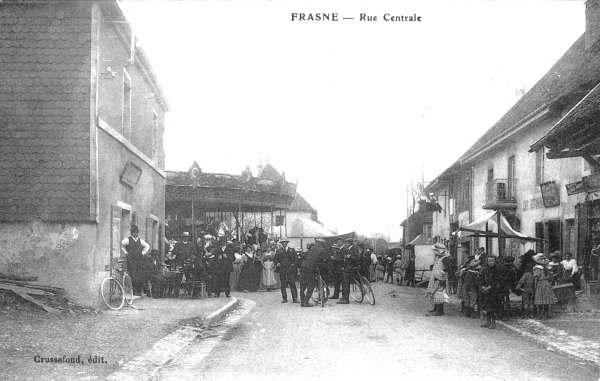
[360, 341]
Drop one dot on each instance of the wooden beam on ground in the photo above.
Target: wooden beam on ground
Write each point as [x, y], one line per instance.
[35, 301]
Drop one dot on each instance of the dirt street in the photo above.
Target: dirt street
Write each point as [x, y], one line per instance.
[393, 338]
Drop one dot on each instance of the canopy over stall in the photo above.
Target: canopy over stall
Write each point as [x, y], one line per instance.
[333, 239]
[480, 228]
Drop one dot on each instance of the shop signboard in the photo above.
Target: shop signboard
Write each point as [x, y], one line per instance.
[550, 194]
[131, 174]
[591, 183]
[574, 188]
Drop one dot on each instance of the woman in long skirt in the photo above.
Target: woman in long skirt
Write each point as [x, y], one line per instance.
[248, 275]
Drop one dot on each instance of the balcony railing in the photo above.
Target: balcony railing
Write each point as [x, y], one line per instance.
[501, 192]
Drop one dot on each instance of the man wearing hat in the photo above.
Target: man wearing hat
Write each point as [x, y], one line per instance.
[308, 271]
[152, 267]
[224, 257]
[286, 262]
[184, 249]
[437, 281]
[337, 259]
[135, 248]
[351, 267]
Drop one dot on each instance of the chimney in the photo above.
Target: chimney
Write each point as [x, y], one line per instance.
[592, 23]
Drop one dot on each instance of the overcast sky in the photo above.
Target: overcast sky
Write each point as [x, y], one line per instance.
[354, 111]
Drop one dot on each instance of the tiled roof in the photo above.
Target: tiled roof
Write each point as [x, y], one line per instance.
[300, 205]
[44, 111]
[569, 80]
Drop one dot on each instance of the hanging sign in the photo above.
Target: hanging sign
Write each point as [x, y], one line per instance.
[574, 188]
[131, 174]
[592, 182]
[550, 194]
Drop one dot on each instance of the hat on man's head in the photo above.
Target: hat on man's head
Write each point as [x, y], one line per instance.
[320, 240]
[185, 234]
[208, 236]
[134, 229]
[509, 259]
[284, 240]
[398, 256]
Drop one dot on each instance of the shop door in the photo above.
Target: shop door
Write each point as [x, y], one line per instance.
[554, 235]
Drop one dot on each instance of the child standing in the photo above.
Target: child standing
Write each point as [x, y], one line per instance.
[398, 269]
[544, 295]
[527, 284]
[379, 270]
[471, 284]
[268, 273]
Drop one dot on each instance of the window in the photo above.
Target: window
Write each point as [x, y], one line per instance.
[539, 166]
[155, 136]
[511, 178]
[539, 233]
[427, 231]
[570, 236]
[490, 175]
[126, 117]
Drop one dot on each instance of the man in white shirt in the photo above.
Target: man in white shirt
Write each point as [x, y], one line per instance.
[134, 249]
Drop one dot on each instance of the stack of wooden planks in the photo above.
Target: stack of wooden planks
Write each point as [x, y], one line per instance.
[25, 287]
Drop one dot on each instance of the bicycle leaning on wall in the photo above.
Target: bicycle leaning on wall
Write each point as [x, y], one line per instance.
[117, 289]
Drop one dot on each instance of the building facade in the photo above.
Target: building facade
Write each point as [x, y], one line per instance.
[81, 142]
[538, 163]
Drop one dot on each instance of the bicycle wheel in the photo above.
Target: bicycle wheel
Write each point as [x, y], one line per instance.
[356, 291]
[316, 294]
[323, 292]
[112, 293]
[128, 289]
[368, 290]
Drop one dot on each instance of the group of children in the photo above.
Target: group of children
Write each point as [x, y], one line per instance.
[485, 283]
[396, 270]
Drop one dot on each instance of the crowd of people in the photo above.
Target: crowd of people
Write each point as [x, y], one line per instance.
[486, 281]
[225, 265]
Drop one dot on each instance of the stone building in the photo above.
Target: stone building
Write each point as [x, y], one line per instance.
[81, 142]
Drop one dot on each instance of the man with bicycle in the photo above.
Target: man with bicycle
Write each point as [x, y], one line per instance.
[352, 264]
[308, 271]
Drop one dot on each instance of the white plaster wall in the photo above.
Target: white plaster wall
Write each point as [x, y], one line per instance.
[563, 171]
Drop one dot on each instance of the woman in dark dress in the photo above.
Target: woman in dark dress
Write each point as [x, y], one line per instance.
[250, 272]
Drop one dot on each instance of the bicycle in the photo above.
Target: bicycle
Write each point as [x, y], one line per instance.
[360, 288]
[320, 294]
[116, 293]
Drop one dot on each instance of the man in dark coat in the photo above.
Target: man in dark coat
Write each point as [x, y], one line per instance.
[351, 267]
[223, 267]
[152, 268]
[337, 259]
[135, 249]
[286, 262]
[184, 249]
[491, 279]
[308, 271]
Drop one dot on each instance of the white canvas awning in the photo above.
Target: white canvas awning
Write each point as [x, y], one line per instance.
[487, 226]
[305, 228]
